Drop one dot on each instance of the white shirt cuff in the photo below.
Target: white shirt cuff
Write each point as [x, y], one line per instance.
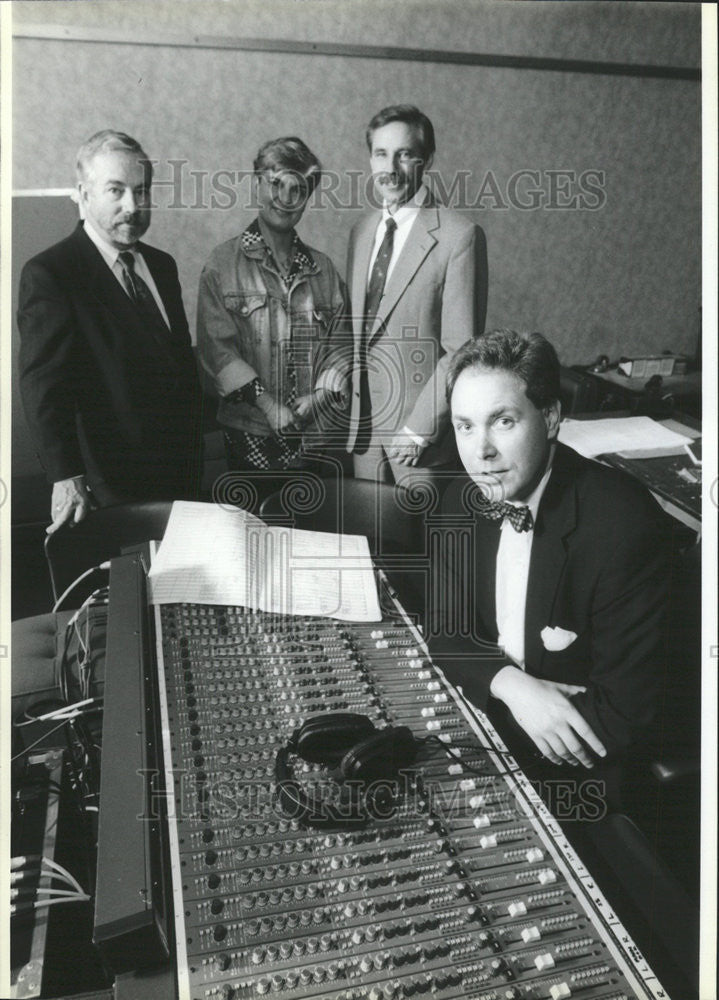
[416, 438]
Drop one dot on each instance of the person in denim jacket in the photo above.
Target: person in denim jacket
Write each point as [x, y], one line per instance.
[270, 330]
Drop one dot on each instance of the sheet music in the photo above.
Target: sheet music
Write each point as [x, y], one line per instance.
[628, 435]
[216, 555]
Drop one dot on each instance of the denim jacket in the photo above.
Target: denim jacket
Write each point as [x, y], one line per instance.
[248, 320]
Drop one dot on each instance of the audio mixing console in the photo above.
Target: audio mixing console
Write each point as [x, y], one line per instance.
[461, 885]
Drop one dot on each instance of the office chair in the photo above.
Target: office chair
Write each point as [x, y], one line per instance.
[102, 535]
[647, 897]
[391, 518]
[662, 787]
[385, 514]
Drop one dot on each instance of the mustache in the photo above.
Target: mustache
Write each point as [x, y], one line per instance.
[134, 219]
[390, 177]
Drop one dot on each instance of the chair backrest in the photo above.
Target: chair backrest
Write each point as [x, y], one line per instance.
[102, 535]
[683, 635]
[673, 746]
[392, 519]
[352, 507]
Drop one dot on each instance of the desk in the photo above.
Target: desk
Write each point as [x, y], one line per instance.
[622, 392]
[656, 473]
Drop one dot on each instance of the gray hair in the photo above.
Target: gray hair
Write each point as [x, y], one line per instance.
[105, 141]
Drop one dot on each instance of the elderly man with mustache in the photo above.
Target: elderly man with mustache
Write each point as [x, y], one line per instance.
[107, 375]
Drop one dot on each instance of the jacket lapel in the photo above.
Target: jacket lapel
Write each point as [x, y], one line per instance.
[103, 287]
[101, 284]
[556, 519]
[420, 241]
[487, 535]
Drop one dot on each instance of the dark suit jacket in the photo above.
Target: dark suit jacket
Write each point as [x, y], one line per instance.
[104, 394]
[598, 569]
[434, 301]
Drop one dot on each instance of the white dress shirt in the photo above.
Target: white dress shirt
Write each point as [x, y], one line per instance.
[110, 256]
[513, 555]
[404, 218]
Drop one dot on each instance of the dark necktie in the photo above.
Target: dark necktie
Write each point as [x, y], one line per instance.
[378, 276]
[139, 292]
[496, 510]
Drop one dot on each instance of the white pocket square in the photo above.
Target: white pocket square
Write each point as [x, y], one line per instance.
[555, 639]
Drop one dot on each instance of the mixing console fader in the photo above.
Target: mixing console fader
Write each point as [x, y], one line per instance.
[459, 885]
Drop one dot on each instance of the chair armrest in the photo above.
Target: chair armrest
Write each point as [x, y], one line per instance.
[674, 769]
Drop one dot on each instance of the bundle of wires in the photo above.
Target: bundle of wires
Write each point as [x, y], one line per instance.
[27, 871]
[76, 717]
[81, 625]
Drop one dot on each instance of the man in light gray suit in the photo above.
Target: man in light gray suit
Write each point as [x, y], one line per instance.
[417, 273]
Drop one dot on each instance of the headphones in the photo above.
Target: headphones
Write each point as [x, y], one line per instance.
[367, 760]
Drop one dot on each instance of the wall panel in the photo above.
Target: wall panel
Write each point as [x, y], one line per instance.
[624, 278]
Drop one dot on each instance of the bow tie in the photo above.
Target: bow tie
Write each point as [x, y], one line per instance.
[496, 510]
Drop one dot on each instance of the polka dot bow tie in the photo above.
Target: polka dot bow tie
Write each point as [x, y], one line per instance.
[496, 510]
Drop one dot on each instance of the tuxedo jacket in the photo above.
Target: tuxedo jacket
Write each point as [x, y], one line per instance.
[106, 394]
[596, 595]
[435, 299]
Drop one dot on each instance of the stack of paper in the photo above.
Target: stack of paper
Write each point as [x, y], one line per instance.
[631, 437]
[216, 555]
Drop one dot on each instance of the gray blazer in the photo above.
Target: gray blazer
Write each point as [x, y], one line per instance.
[434, 301]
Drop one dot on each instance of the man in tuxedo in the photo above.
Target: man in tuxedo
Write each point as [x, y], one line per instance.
[107, 374]
[418, 279]
[549, 615]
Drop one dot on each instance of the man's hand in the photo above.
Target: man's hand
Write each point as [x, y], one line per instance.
[304, 409]
[544, 711]
[403, 450]
[309, 407]
[70, 503]
[279, 417]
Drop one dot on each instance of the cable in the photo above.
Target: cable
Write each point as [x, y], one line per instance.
[46, 704]
[96, 600]
[38, 904]
[19, 871]
[67, 712]
[102, 566]
[16, 891]
[62, 871]
[88, 600]
[36, 872]
[21, 753]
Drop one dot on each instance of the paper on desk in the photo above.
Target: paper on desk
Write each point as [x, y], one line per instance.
[216, 555]
[633, 437]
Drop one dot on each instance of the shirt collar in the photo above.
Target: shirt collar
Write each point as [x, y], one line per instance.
[535, 497]
[253, 243]
[108, 251]
[410, 208]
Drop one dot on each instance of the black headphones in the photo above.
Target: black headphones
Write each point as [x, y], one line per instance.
[367, 759]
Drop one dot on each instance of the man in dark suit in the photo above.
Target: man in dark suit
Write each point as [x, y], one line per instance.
[107, 373]
[549, 615]
[417, 274]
